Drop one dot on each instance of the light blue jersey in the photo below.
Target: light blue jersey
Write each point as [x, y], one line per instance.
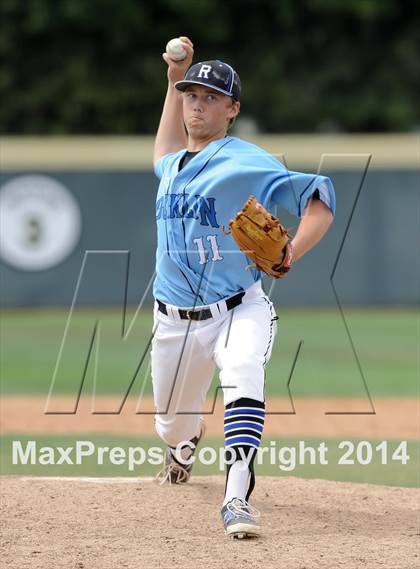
[196, 262]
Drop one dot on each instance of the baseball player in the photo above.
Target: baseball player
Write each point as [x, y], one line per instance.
[211, 310]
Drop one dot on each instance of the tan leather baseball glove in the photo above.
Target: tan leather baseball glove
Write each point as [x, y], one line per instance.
[262, 238]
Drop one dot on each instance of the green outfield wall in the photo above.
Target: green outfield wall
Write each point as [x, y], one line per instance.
[78, 216]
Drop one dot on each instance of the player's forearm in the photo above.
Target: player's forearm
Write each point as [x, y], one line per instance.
[314, 224]
[171, 135]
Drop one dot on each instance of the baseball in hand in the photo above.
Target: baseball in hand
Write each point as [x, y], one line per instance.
[175, 50]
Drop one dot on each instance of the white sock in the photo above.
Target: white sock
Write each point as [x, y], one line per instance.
[237, 484]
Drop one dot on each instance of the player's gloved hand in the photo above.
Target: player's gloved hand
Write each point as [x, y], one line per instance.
[262, 238]
[177, 69]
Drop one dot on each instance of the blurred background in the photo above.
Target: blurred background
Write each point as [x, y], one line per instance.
[77, 67]
[327, 86]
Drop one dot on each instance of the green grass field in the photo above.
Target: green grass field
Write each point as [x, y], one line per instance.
[386, 343]
[393, 473]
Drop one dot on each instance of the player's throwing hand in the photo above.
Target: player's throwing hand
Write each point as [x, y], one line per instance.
[177, 69]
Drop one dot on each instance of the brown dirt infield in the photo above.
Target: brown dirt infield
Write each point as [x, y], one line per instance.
[108, 524]
[394, 418]
[307, 524]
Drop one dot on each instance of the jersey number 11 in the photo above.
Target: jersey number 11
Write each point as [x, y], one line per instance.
[216, 256]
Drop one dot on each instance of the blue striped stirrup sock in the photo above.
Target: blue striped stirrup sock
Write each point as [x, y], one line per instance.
[243, 428]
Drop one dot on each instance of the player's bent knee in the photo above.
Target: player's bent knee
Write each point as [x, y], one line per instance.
[246, 367]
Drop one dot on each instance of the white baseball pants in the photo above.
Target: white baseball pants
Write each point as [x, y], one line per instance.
[185, 353]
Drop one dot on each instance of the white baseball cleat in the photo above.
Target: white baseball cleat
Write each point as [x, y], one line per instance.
[239, 519]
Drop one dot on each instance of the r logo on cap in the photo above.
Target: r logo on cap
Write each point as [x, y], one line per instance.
[204, 71]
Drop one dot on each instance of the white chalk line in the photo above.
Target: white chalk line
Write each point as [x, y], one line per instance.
[90, 479]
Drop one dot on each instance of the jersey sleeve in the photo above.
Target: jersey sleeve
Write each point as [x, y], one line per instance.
[292, 190]
[163, 163]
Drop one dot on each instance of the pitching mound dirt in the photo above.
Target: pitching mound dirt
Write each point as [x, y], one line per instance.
[52, 524]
